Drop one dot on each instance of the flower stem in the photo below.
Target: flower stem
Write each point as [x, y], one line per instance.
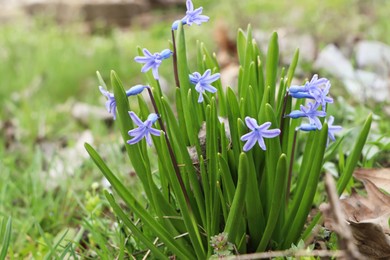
[282, 116]
[170, 150]
[175, 60]
[290, 167]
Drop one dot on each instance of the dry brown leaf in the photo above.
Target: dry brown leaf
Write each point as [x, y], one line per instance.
[371, 240]
[368, 218]
[380, 177]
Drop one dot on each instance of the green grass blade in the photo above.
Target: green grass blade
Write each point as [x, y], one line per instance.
[137, 233]
[277, 202]
[5, 237]
[129, 199]
[272, 66]
[311, 187]
[353, 158]
[233, 221]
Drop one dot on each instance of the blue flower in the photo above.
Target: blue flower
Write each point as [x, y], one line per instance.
[332, 129]
[313, 85]
[321, 96]
[310, 112]
[144, 129]
[202, 82]
[192, 16]
[111, 102]
[313, 90]
[153, 61]
[257, 134]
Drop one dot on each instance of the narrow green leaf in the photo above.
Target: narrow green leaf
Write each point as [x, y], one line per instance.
[133, 204]
[137, 233]
[353, 158]
[241, 45]
[277, 202]
[254, 207]
[233, 114]
[311, 187]
[6, 237]
[272, 66]
[232, 224]
[291, 69]
[227, 180]
[101, 81]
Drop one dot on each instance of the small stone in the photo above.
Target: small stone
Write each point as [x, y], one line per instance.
[374, 56]
[332, 60]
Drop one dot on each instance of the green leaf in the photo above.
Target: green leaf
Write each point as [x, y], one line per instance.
[276, 203]
[134, 205]
[101, 81]
[311, 187]
[5, 237]
[291, 69]
[235, 215]
[186, 208]
[241, 45]
[353, 158]
[136, 232]
[272, 66]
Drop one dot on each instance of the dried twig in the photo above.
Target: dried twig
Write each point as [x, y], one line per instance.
[291, 253]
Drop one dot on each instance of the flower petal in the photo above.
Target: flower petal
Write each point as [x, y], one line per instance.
[135, 140]
[251, 123]
[135, 119]
[270, 133]
[249, 144]
[248, 136]
[260, 140]
[154, 131]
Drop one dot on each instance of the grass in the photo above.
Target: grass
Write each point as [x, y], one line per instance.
[45, 68]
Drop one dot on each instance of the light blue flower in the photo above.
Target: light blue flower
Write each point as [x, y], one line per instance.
[202, 82]
[313, 85]
[321, 96]
[144, 129]
[310, 112]
[257, 134]
[192, 16]
[153, 61]
[332, 129]
[111, 102]
[313, 90]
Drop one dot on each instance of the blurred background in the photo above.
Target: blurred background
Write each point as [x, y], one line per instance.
[50, 51]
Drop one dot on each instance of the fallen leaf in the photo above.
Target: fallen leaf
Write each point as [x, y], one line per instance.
[367, 216]
[371, 240]
[380, 177]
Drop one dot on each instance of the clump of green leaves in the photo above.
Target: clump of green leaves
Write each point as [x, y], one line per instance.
[206, 186]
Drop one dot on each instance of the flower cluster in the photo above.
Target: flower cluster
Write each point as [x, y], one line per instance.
[316, 89]
[153, 62]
